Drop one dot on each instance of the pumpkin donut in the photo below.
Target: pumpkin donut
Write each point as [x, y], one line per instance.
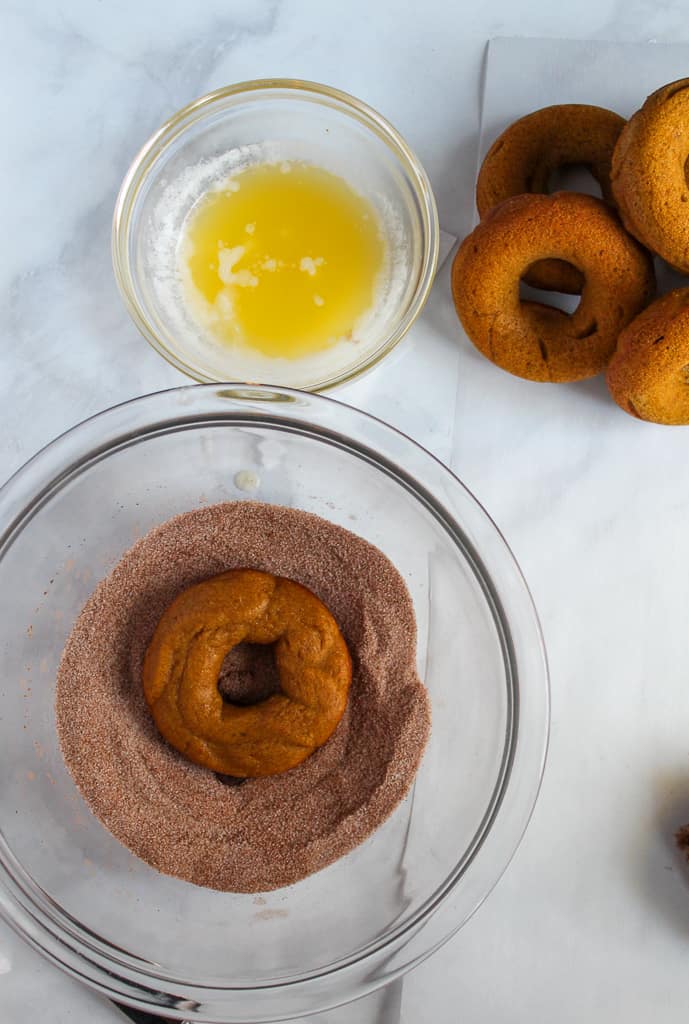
[526, 154]
[648, 375]
[530, 339]
[649, 174]
[184, 659]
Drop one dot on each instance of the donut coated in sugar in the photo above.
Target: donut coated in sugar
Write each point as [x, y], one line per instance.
[185, 656]
[536, 341]
[525, 155]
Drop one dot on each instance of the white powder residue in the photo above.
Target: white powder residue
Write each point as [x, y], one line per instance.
[245, 279]
[319, 300]
[309, 265]
[227, 261]
[224, 304]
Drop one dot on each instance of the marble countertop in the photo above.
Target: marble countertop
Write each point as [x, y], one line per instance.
[592, 919]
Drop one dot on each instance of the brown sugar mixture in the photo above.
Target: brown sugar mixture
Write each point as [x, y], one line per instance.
[185, 820]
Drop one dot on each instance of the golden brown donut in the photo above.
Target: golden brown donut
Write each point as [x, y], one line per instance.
[649, 174]
[185, 656]
[536, 341]
[648, 375]
[526, 154]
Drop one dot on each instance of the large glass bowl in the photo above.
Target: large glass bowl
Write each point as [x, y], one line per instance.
[305, 121]
[77, 895]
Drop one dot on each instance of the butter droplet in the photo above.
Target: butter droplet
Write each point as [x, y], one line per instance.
[246, 480]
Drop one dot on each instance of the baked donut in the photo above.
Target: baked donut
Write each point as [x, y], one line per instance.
[530, 339]
[649, 174]
[648, 375]
[185, 656]
[526, 154]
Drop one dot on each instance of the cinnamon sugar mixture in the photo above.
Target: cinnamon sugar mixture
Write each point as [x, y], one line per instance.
[184, 820]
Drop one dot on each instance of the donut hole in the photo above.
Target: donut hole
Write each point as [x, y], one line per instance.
[557, 300]
[229, 780]
[574, 178]
[248, 674]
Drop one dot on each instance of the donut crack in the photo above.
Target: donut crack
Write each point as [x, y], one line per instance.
[587, 331]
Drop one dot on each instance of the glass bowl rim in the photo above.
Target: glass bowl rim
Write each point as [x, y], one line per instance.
[196, 110]
[134, 984]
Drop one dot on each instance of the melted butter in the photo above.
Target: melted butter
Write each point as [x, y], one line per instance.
[286, 258]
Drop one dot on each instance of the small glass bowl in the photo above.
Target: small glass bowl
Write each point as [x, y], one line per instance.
[308, 122]
[88, 904]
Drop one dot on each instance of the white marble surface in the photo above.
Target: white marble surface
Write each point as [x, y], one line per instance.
[592, 919]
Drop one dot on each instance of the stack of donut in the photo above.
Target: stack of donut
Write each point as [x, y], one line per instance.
[598, 248]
